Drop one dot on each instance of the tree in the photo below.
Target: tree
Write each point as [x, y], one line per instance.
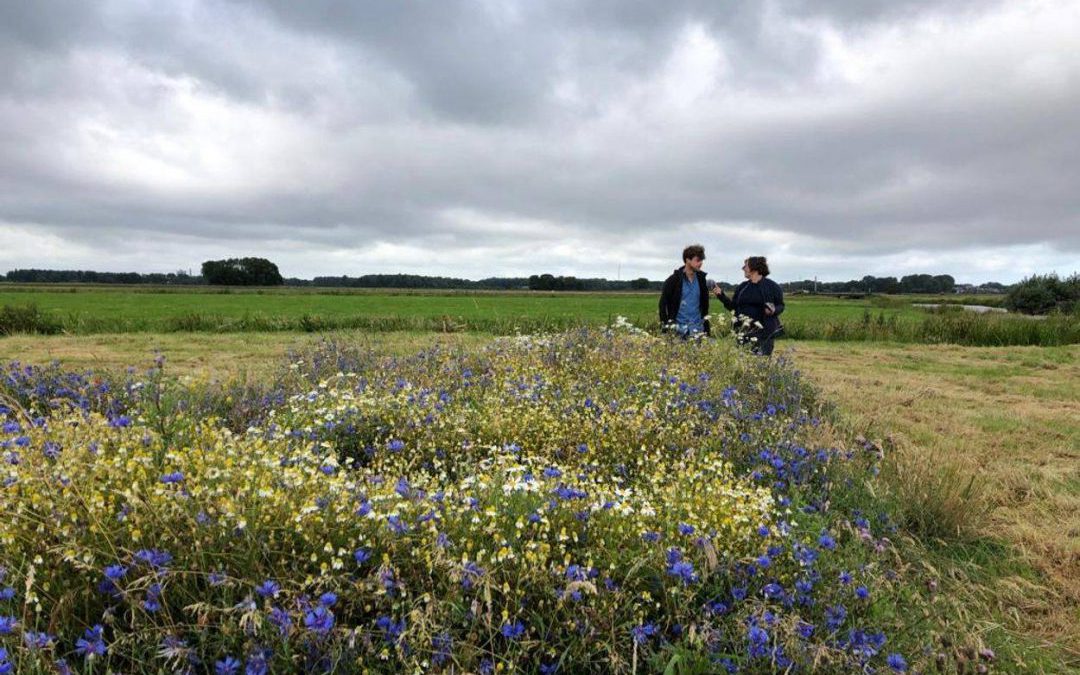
[1044, 294]
[241, 272]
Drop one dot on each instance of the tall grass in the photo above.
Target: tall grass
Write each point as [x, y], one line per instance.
[27, 319]
[944, 327]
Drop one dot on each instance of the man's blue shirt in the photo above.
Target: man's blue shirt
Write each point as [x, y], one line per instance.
[689, 318]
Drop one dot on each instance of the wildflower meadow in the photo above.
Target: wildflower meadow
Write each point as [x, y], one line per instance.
[593, 501]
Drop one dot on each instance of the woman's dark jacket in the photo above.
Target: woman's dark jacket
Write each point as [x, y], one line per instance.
[671, 298]
[749, 300]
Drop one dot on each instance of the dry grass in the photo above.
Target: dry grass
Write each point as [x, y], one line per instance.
[986, 445]
[203, 353]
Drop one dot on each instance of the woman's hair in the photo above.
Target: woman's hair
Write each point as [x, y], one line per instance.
[693, 251]
[756, 263]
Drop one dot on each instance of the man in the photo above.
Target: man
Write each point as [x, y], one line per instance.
[684, 298]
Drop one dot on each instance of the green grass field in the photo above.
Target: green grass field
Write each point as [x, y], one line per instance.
[87, 310]
[152, 309]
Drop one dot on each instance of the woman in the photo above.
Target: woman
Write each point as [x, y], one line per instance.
[757, 304]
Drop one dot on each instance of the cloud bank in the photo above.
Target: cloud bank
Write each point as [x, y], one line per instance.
[511, 138]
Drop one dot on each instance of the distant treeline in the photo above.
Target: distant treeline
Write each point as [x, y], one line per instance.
[411, 281]
[88, 277]
[912, 283]
[548, 282]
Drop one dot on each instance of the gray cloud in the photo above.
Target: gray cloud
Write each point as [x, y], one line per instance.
[518, 137]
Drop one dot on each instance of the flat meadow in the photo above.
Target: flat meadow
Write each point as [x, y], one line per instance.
[87, 310]
[507, 483]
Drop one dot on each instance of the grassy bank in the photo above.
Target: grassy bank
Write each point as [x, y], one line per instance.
[985, 464]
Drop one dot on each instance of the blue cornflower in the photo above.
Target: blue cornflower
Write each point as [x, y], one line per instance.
[897, 663]
[773, 590]
[806, 555]
[512, 631]
[91, 644]
[834, 616]
[862, 592]
[685, 529]
[11, 427]
[826, 541]
[268, 589]
[643, 632]
[392, 629]
[319, 620]
[845, 578]
[328, 599]
[7, 593]
[396, 445]
[758, 638]
[763, 531]
[552, 472]
[470, 573]
[805, 630]
[576, 573]
[757, 635]
[115, 572]
[153, 597]
[764, 561]
[674, 555]
[683, 570]
[403, 487]
[153, 557]
[441, 647]
[216, 578]
[651, 537]
[8, 624]
[174, 477]
[396, 525]
[386, 577]
[280, 619]
[5, 665]
[364, 508]
[227, 666]
[257, 662]
[37, 640]
[120, 421]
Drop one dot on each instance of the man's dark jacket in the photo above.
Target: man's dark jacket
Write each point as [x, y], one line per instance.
[671, 297]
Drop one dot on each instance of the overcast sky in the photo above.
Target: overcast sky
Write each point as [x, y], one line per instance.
[506, 138]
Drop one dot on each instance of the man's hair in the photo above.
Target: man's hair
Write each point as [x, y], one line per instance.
[693, 251]
[756, 263]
